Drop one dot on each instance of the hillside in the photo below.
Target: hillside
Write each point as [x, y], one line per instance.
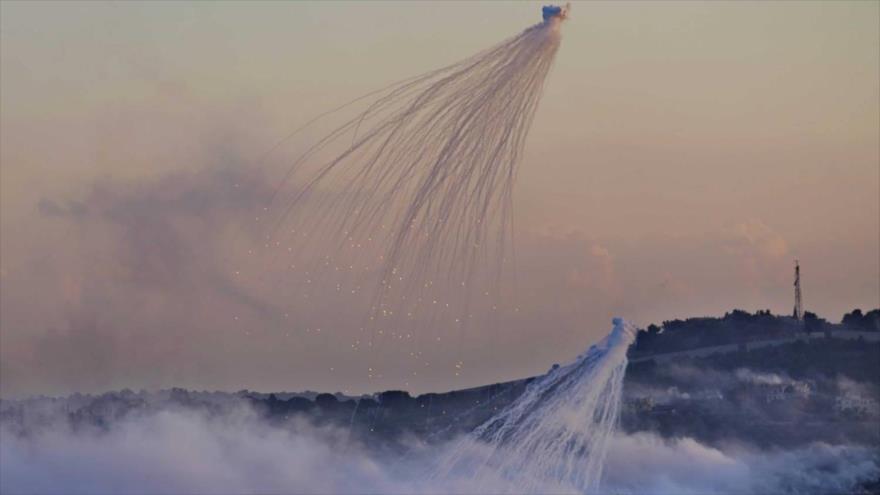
[825, 388]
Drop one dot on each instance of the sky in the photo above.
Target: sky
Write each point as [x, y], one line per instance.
[683, 156]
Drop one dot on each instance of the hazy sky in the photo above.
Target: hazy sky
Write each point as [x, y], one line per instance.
[684, 154]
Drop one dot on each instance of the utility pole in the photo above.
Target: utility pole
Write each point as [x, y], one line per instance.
[798, 305]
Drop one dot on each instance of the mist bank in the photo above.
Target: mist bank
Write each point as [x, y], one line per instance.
[797, 417]
[236, 449]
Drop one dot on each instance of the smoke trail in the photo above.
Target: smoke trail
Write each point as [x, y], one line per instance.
[555, 436]
[427, 178]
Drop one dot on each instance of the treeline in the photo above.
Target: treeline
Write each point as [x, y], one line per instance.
[868, 322]
[740, 326]
[855, 359]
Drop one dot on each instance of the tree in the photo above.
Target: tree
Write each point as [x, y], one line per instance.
[326, 400]
[813, 323]
[853, 319]
[871, 321]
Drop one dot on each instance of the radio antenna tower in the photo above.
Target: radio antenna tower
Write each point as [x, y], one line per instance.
[798, 305]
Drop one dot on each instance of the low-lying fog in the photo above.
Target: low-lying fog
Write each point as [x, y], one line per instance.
[176, 450]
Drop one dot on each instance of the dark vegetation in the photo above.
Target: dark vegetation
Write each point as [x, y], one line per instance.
[822, 388]
[783, 395]
[740, 326]
[855, 359]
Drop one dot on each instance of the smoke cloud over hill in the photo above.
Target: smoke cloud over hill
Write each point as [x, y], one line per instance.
[174, 450]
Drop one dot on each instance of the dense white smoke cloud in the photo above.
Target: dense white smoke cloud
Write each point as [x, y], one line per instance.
[646, 463]
[178, 451]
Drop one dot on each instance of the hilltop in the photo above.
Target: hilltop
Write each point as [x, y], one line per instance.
[756, 378]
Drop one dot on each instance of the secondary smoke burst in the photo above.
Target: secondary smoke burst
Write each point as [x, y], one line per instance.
[427, 170]
[555, 436]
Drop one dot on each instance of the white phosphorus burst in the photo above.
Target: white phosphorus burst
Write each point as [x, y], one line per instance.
[425, 172]
[555, 436]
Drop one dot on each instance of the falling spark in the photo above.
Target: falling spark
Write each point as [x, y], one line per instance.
[426, 171]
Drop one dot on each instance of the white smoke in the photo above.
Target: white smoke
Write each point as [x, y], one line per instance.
[180, 452]
[554, 437]
[177, 451]
[758, 378]
[647, 464]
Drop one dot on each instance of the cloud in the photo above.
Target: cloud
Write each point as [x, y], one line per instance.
[233, 450]
[127, 274]
[760, 237]
[177, 451]
[647, 464]
[167, 231]
[51, 208]
[758, 378]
